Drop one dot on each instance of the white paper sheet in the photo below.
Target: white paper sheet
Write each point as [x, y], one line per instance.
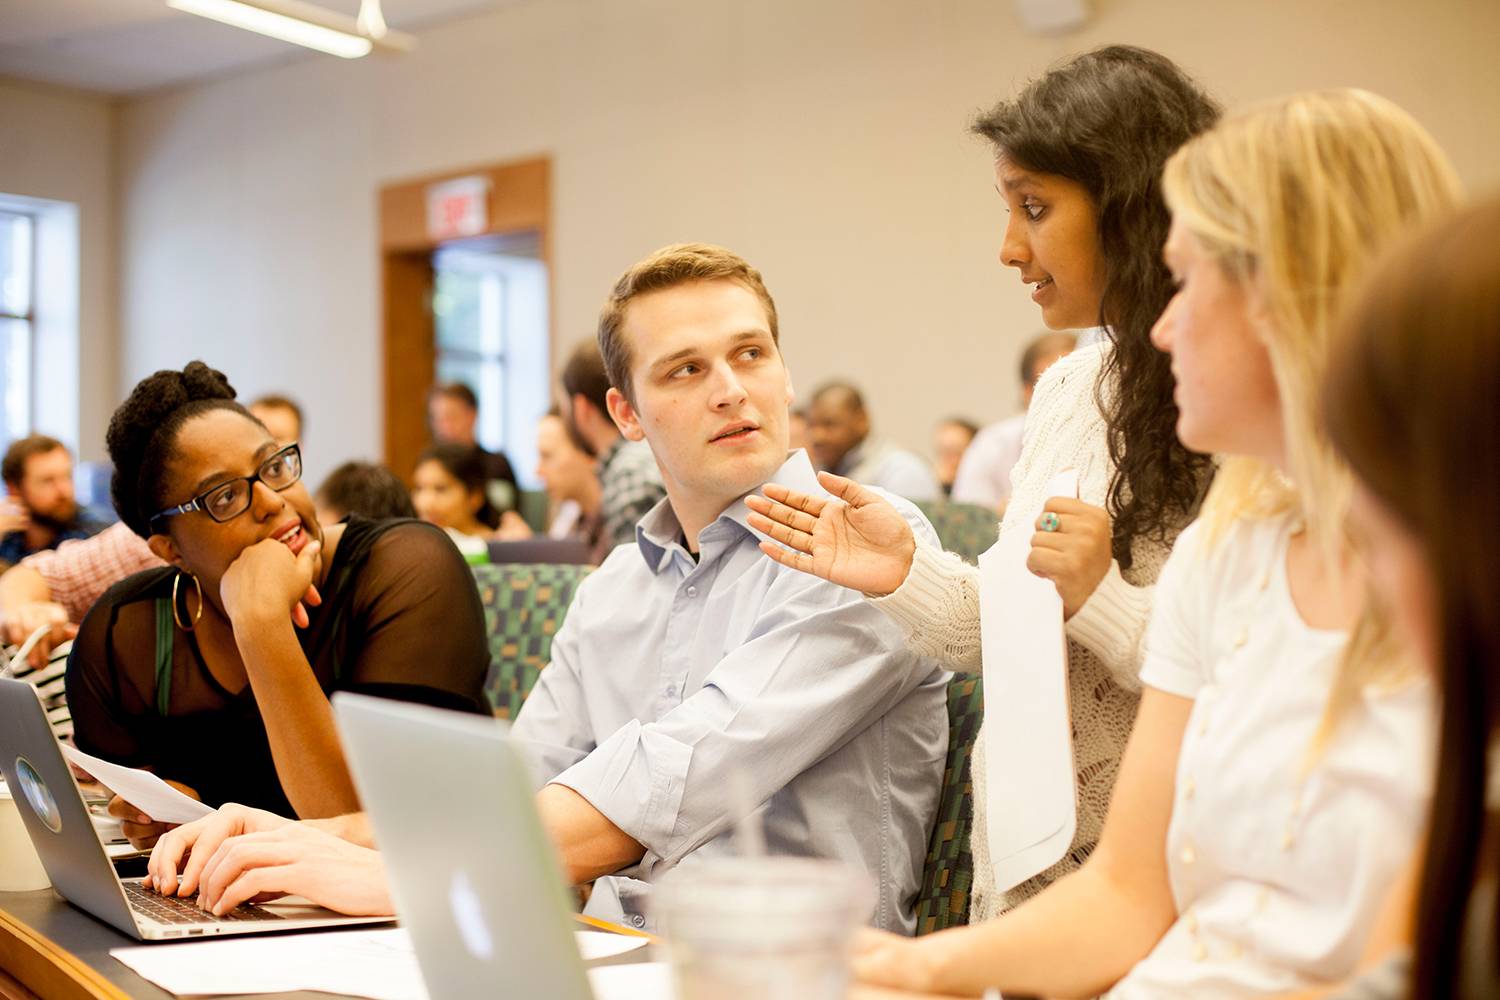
[142, 789]
[380, 964]
[639, 981]
[1030, 793]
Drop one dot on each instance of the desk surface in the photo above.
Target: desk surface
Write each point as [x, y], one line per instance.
[58, 952]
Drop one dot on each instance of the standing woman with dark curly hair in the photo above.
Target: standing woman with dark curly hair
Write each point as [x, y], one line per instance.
[214, 672]
[1078, 160]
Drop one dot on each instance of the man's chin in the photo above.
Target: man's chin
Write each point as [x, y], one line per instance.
[52, 522]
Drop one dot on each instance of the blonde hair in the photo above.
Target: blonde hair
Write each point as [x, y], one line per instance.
[1294, 199]
[678, 264]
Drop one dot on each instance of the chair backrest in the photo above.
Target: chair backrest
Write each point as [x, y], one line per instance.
[949, 873]
[965, 528]
[524, 607]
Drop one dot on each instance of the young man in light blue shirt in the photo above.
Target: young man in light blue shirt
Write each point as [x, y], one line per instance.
[688, 662]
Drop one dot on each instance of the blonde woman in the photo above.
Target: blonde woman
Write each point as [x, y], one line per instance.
[1257, 822]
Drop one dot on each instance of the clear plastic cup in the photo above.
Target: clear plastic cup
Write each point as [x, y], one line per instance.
[20, 869]
[761, 928]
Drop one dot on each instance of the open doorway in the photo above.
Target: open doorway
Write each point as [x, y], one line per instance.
[471, 306]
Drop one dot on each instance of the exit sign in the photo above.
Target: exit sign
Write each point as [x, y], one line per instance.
[458, 208]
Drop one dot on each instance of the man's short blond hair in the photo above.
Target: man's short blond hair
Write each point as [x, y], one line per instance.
[678, 264]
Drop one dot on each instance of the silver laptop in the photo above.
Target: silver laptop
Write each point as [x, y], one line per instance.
[472, 872]
[62, 830]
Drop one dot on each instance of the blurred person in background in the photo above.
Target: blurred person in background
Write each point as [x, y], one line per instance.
[448, 490]
[839, 432]
[363, 488]
[983, 477]
[280, 415]
[629, 479]
[950, 439]
[453, 412]
[39, 510]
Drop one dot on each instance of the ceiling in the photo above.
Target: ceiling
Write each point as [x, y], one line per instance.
[124, 47]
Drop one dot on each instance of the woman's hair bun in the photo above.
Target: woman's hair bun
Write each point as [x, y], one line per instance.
[142, 430]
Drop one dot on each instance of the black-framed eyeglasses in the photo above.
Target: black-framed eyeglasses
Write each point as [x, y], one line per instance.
[231, 499]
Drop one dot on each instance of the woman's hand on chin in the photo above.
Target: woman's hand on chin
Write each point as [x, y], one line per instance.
[266, 583]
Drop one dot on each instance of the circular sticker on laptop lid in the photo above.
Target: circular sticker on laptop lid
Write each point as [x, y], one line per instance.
[34, 789]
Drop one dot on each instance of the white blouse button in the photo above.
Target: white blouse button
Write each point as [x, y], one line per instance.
[1262, 900]
[1241, 637]
[1190, 921]
[1287, 840]
[1200, 953]
[1188, 855]
[1236, 952]
[1189, 788]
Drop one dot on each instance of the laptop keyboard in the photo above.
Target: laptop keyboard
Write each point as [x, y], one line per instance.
[173, 910]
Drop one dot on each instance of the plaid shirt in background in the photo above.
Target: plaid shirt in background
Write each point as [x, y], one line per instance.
[631, 486]
[13, 546]
[78, 571]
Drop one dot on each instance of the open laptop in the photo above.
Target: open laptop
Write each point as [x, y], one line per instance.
[58, 821]
[472, 873]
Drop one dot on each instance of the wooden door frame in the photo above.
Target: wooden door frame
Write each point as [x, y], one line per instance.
[520, 200]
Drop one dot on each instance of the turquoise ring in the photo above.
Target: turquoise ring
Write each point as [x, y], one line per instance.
[1049, 522]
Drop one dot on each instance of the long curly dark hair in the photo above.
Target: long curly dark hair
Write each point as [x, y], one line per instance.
[1108, 120]
[143, 433]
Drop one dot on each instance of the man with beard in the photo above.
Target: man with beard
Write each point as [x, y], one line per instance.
[39, 509]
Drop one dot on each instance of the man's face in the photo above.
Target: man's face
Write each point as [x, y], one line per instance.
[711, 390]
[47, 487]
[452, 420]
[280, 421]
[835, 427]
[566, 472]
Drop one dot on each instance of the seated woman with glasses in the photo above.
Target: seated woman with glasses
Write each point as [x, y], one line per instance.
[215, 671]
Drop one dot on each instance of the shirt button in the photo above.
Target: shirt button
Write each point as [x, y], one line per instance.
[1262, 900]
[692, 591]
[1200, 953]
[1189, 789]
[671, 690]
[1287, 840]
[1241, 637]
[1190, 920]
[1188, 854]
[638, 920]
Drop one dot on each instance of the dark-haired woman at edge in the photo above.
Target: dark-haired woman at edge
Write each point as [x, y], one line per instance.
[1078, 158]
[215, 671]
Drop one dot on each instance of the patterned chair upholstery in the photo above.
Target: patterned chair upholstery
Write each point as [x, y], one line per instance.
[949, 873]
[524, 605]
[965, 528]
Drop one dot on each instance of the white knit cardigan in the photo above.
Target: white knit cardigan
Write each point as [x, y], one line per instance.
[938, 605]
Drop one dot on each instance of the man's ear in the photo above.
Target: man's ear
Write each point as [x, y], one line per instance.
[165, 549]
[623, 413]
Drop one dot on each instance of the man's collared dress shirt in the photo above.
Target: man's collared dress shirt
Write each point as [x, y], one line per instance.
[672, 678]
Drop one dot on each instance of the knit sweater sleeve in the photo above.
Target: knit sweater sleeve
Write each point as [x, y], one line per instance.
[938, 606]
[1112, 624]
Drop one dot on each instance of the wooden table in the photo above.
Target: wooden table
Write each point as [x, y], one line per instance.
[53, 951]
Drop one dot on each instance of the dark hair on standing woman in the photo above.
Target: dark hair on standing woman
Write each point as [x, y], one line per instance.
[1410, 401]
[1108, 120]
[142, 435]
[466, 464]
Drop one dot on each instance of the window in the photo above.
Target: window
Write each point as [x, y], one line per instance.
[17, 319]
[489, 309]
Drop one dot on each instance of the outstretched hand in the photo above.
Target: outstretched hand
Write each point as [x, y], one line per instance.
[856, 540]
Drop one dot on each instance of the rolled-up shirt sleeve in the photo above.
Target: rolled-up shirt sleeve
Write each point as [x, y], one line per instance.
[822, 666]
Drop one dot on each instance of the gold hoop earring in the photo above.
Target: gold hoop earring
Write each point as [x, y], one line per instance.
[177, 617]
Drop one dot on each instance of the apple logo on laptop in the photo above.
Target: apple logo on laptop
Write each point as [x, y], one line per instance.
[468, 914]
[38, 795]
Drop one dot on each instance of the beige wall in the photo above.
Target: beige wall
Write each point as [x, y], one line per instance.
[825, 140]
[58, 145]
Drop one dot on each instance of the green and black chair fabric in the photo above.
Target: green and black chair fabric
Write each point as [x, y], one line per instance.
[524, 606]
[943, 900]
[965, 528]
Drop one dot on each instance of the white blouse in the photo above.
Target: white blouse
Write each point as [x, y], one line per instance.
[1279, 861]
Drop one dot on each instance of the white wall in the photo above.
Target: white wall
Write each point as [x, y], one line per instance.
[57, 145]
[824, 140]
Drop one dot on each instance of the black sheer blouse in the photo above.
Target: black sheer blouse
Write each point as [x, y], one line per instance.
[400, 619]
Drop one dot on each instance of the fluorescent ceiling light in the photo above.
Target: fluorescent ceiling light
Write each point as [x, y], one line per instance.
[296, 22]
